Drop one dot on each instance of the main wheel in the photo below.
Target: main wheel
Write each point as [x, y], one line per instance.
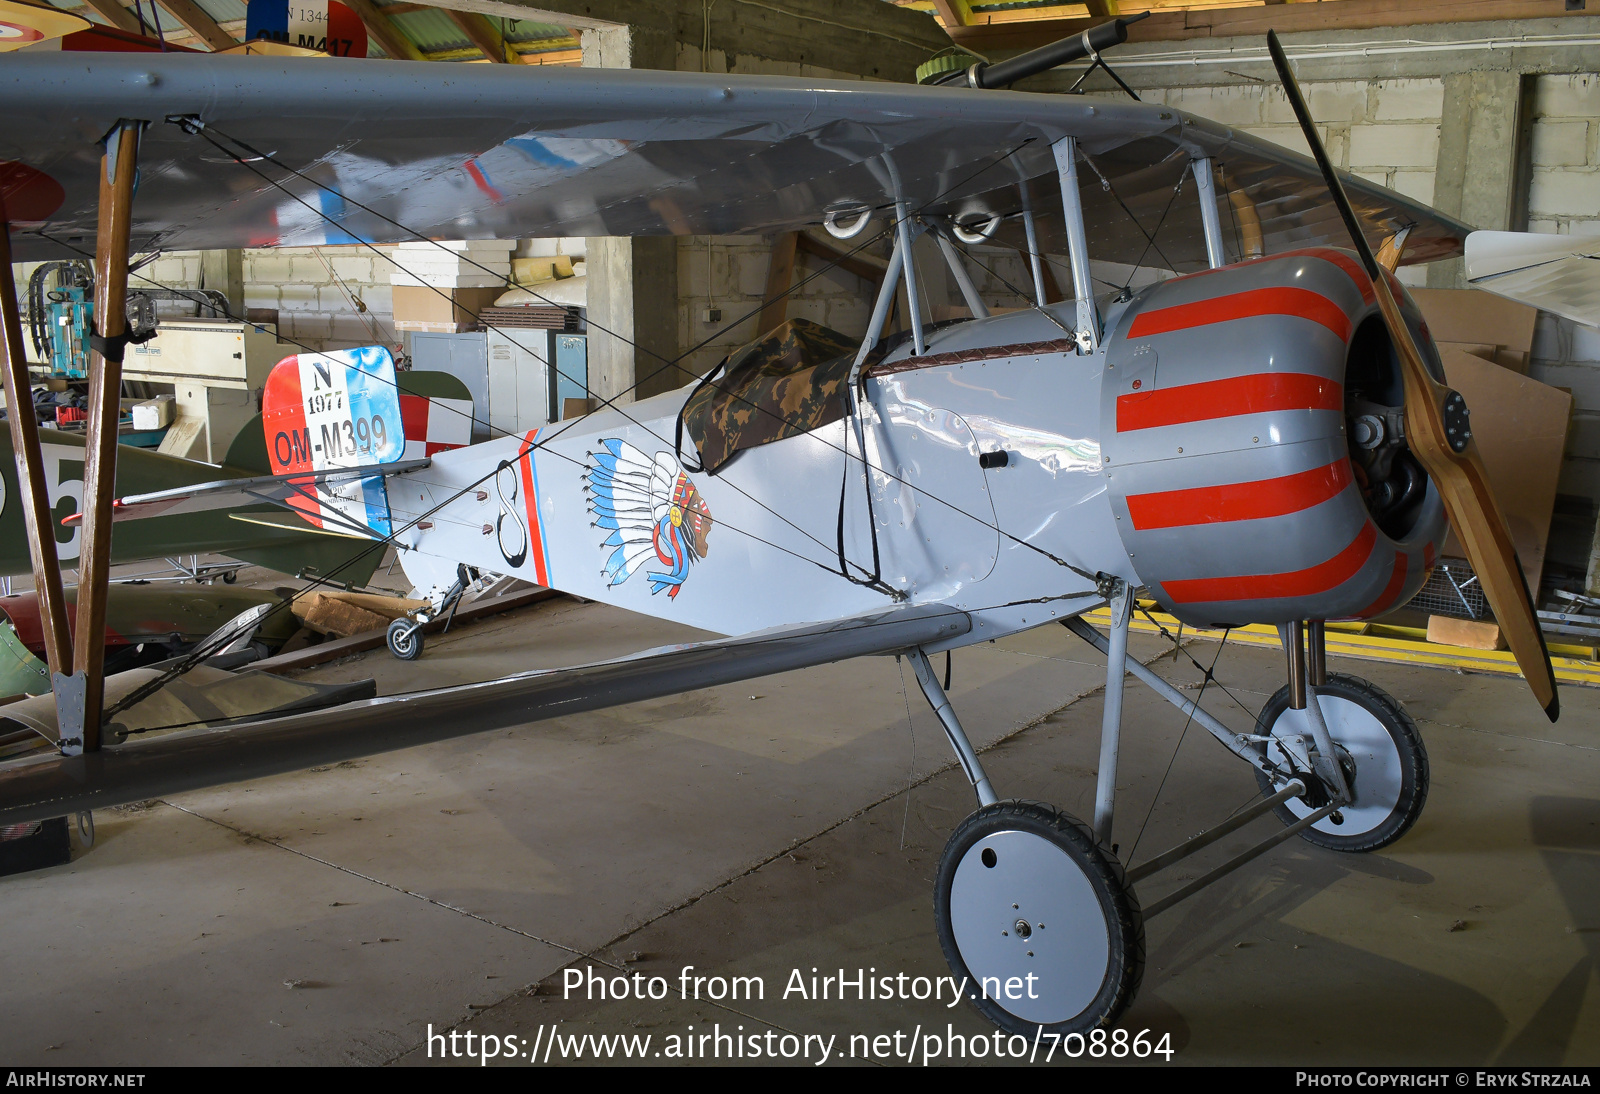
[1037, 920]
[1379, 742]
[405, 639]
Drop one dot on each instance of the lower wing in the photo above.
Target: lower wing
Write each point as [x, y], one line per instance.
[193, 759]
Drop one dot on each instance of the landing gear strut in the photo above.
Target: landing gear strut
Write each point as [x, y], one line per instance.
[1035, 912]
[404, 635]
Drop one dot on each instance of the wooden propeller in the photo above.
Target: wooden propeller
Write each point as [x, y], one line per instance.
[1440, 435]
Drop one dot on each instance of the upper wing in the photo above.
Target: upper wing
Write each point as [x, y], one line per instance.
[1560, 274]
[504, 151]
[189, 760]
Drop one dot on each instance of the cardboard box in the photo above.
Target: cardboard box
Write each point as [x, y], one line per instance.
[448, 310]
[1520, 426]
[1479, 321]
[343, 614]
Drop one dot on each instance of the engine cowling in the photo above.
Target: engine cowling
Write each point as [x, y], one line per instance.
[1254, 449]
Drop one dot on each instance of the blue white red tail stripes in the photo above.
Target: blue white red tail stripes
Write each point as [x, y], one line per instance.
[323, 411]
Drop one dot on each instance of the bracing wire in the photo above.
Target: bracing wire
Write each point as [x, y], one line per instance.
[195, 126]
[200, 653]
[1173, 759]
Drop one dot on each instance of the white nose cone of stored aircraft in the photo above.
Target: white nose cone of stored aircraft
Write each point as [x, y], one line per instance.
[1560, 274]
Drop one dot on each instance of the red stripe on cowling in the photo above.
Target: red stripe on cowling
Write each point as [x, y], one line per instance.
[1301, 303]
[1254, 394]
[1349, 265]
[1239, 501]
[1308, 582]
[1391, 591]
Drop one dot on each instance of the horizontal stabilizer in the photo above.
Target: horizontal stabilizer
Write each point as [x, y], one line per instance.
[227, 493]
[189, 760]
[289, 524]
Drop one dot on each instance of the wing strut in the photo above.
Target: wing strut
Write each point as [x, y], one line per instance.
[30, 469]
[79, 697]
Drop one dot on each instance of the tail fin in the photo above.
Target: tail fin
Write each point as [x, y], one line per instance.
[321, 411]
[248, 452]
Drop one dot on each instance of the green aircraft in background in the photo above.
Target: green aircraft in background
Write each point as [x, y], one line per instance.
[257, 534]
[261, 535]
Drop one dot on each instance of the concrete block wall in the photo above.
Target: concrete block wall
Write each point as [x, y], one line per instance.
[303, 285]
[1564, 198]
[314, 289]
[1385, 130]
[1564, 186]
[728, 274]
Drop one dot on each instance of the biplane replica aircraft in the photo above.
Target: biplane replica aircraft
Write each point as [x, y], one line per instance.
[1262, 435]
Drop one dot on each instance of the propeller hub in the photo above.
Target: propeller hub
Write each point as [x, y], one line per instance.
[1367, 431]
[1457, 422]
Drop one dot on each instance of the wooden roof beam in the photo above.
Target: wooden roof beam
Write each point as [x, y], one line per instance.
[383, 31]
[199, 24]
[115, 14]
[953, 13]
[485, 35]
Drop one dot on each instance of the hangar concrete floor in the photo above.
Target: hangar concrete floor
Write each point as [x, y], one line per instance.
[335, 915]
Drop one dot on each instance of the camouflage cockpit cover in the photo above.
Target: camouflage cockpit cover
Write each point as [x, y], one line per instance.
[789, 381]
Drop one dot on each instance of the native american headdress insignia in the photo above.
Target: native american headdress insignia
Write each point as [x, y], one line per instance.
[653, 512]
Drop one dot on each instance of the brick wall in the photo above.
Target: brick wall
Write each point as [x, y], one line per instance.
[1385, 130]
[311, 288]
[728, 274]
[1564, 189]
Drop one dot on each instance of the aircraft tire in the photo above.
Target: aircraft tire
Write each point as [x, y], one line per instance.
[1023, 890]
[405, 639]
[1391, 765]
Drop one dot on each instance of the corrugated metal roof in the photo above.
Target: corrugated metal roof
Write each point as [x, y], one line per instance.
[433, 31]
[525, 30]
[223, 11]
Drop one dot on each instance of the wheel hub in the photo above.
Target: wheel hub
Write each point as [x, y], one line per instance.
[1030, 927]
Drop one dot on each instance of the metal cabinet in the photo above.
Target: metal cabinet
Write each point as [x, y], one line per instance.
[570, 378]
[519, 396]
[514, 389]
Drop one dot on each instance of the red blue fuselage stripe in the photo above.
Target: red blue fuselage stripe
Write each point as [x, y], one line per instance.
[530, 496]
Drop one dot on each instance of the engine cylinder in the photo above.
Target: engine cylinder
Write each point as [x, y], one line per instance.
[1227, 455]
